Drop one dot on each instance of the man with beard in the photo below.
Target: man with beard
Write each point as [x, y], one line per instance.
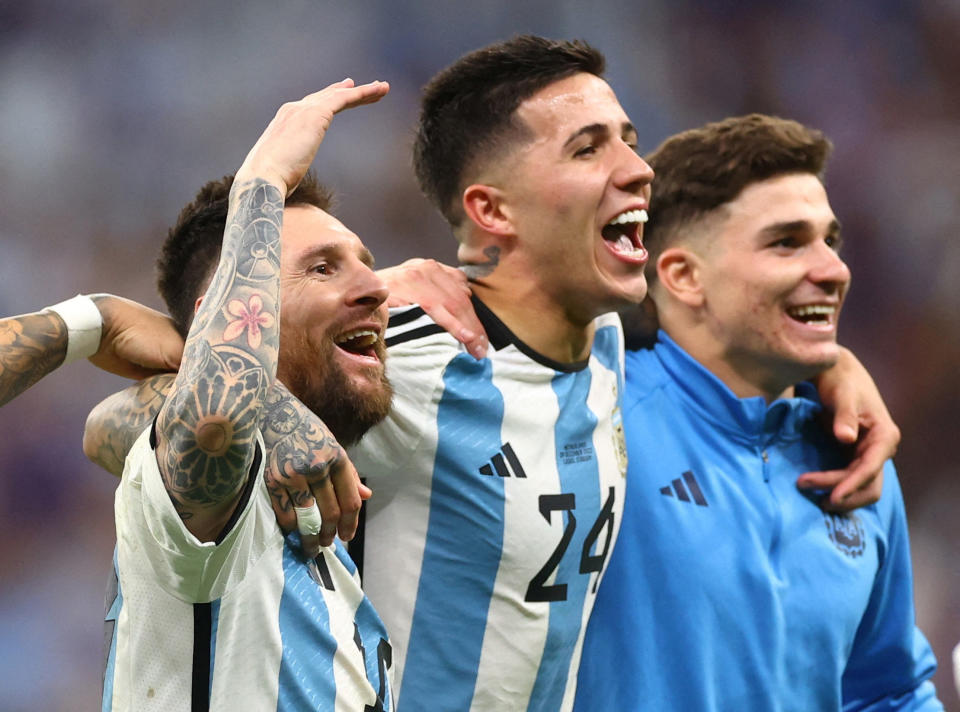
[215, 607]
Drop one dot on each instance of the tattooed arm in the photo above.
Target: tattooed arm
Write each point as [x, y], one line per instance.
[206, 429]
[301, 452]
[31, 346]
[116, 422]
[135, 342]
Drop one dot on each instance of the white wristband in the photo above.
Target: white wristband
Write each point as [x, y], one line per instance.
[84, 326]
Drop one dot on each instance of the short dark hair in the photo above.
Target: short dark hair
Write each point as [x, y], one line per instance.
[192, 248]
[699, 170]
[467, 110]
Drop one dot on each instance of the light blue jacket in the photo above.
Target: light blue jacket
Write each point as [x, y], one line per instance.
[728, 589]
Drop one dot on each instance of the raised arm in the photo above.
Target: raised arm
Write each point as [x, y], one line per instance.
[116, 334]
[206, 429]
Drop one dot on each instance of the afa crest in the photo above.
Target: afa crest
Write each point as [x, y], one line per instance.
[619, 442]
[846, 532]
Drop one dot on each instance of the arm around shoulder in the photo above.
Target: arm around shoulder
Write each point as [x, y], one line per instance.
[116, 422]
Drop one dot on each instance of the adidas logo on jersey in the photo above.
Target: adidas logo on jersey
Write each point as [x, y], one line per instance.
[684, 493]
[498, 464]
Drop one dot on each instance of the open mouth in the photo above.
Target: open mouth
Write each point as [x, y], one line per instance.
[813, 314]
[622, 234]
[359, 342]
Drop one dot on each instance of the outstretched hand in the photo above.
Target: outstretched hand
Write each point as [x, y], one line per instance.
[286, 148]
[136, 341]
[860, 419]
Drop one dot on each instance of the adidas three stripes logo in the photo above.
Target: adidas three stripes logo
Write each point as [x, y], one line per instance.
[685, 492]
[498, 464]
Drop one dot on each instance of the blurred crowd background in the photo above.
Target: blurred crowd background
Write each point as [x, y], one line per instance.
[114, 112]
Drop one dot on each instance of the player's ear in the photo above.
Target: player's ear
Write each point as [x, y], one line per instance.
[679, 272]
[484, 205]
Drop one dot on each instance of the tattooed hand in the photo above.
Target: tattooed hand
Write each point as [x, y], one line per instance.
[305, 463]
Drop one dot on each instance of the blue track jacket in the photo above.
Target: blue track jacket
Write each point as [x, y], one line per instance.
[729, 589]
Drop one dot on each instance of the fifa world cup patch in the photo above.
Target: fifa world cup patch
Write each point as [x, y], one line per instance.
[846, 532]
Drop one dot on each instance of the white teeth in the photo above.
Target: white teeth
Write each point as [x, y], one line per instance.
[814, 313]
[813, 309]
[365, 337]
[629, 216]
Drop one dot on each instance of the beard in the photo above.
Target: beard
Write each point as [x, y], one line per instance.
[319, 382]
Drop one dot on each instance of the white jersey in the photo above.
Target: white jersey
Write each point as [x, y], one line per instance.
[498, 487]
[243, 623]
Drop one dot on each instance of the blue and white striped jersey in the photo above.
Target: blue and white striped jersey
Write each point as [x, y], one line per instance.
[244, 623]
[498, 487]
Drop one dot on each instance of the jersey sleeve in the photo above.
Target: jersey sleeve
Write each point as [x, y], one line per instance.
[891, 662]
[153, 543]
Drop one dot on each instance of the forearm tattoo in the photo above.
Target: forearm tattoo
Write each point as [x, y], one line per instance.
[483, 269]
[297, 443]
[116, 423]
[31, 346]
[207, 426]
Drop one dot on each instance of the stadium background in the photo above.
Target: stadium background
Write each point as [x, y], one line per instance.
[113, 113]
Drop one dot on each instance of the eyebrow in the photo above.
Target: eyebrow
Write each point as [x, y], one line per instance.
[781, 228]
[330, 249]
[601, 130]
[366, 257]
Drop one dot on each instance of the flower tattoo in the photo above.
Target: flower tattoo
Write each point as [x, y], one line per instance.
[250, 317]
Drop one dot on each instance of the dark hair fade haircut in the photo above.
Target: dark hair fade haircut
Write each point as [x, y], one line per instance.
[468, 110]
[699, 170]
[191, 251]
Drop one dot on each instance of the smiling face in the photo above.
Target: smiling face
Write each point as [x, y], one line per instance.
[577, 193]
[772, 285]
[333, 315]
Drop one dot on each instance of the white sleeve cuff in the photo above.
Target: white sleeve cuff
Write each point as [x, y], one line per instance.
[84, 326]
